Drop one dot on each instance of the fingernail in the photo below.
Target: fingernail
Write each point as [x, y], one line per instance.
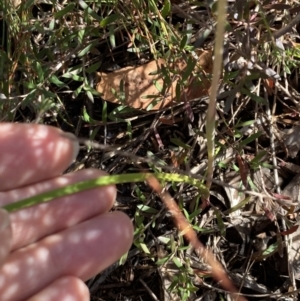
[73, 139]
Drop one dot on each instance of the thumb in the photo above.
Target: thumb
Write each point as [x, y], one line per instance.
[5, 235]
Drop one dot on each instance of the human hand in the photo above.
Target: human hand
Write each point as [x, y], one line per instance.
[48, 250]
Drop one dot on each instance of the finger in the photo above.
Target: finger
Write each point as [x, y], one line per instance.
[81, 251]
[30, 153]
[64, 289]
[5, 235]
[31, 224]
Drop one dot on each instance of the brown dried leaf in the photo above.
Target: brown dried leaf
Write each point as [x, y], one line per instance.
[138, 83]
[290, 231]
[244, 170]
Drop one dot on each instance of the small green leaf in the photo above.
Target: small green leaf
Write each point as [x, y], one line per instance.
[123, 259]
[178, 142]
[89, 10]
[164, 240]
[177, 261]
[93, 67]
[153, 104]
[64, 11]
[157, 86]
[54, 80]
[47, 94]
[40, 71]
[147, 209]
[257, 160]
[220, 223]
[74, 77]
[183, 42]
[195, 213]
[90, 89]
[166, 8]
[255, 97]
[110, 19]
[238, 206]
[270, 250]
[93, 134]
[231, 75]
[77, 91]
[242, 124]
[162, 261]
[85, 50]
[90, 96]
[81, 35]
[52, 25]
[287, 69]
[129, 130]
[165, 75]
[112, 37]
[189, 68]
[85, 116]
[186, 214]
[104, 112]
[30, 85]
[202, 230]
[268, 166]
[145, 248]
[249, 139]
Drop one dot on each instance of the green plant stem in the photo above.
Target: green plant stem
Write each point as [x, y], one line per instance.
[102, 181]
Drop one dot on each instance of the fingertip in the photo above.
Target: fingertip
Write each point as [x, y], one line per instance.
[63, 289]
[103, 240]
[125, 227]
[32, 152]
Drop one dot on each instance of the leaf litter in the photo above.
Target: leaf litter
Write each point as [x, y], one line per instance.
[261, 61]
[140, 86]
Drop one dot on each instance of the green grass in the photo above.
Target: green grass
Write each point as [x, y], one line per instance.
[50, 53]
